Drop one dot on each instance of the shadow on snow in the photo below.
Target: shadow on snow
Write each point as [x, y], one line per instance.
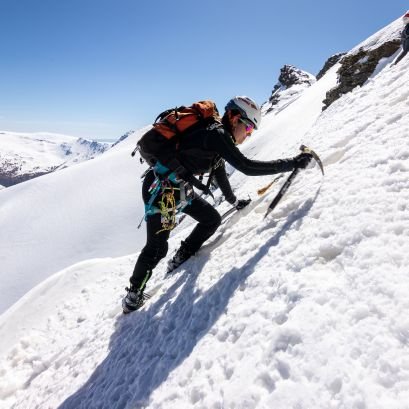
[148, 345]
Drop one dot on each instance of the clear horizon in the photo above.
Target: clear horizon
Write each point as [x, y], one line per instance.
[97, 69]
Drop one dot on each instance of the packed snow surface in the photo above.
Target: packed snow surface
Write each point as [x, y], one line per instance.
[304, 309]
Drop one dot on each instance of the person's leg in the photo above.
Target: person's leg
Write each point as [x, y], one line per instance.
[156, 246]
[155, 249]
[405, 50]
[209, 220]
[405, 45]
[401, 55]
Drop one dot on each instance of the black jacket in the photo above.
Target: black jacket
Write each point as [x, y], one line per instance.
[202, 148]
[197, 151]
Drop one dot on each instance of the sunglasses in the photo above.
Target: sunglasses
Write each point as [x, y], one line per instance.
[249, 125]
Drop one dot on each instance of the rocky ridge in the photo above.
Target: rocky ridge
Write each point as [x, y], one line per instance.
[291, 83]
[356, 69]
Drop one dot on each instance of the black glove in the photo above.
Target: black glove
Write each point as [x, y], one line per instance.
[241, 204]
[302, 160]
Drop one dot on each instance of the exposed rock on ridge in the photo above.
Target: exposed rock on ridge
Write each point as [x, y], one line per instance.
[291, 82]
[329, 64]
[357, 68]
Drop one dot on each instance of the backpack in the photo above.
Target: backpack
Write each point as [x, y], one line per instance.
[161, 142]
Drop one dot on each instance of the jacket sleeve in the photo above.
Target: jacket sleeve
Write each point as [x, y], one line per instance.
[223, 182]
[221, 142]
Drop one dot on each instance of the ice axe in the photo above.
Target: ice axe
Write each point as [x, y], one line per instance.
[290, 179]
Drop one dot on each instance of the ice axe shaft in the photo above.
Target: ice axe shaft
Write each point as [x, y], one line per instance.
[290, 179]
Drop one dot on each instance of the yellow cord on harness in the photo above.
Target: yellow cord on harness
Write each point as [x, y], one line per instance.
[167, 209]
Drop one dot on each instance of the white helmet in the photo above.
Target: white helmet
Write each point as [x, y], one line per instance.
[247, 108]
[405, 17]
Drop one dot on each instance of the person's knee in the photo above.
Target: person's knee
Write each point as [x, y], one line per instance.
[214, 221]
[162, 250]
[218, 219]
[154, 251]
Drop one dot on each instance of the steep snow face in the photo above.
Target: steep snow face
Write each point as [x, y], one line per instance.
[291, 83]
[93, 209]
[305, 309]
[27, 155]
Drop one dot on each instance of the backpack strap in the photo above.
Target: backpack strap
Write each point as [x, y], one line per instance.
[164, 114]
[217, 161]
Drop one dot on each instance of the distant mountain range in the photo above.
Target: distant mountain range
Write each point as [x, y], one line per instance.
[24, 156]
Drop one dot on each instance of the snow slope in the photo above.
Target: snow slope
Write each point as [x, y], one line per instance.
[26, 155]
[305, 309]
[93, 208]
[85, 211]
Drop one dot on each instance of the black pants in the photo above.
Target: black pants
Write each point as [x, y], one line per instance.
[405, 50]
[156, 246]
[401, 55]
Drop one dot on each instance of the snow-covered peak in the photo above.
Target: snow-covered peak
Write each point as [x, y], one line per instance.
[291, 75]
[291, 83]
[24, 156]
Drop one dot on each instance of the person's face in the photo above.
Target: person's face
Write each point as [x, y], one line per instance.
[241, 128]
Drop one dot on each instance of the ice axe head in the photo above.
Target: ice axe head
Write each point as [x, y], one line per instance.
[306, 149]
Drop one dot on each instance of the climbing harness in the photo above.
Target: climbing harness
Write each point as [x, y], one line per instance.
[164, 187]
[167, 207]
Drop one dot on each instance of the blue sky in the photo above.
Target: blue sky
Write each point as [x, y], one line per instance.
[98, 68]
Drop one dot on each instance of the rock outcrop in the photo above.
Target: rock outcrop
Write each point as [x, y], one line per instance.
[329, 64]
[357, 68]
[291, 83]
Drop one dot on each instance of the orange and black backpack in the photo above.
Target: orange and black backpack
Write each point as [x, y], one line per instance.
[162, 140]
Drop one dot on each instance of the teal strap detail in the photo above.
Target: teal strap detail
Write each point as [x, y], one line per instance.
[151, 211]
[162, 170]
[156, 188]
[149, 208]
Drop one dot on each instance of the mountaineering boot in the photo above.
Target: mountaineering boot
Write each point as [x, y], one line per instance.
[180, 257]
[133, 300]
